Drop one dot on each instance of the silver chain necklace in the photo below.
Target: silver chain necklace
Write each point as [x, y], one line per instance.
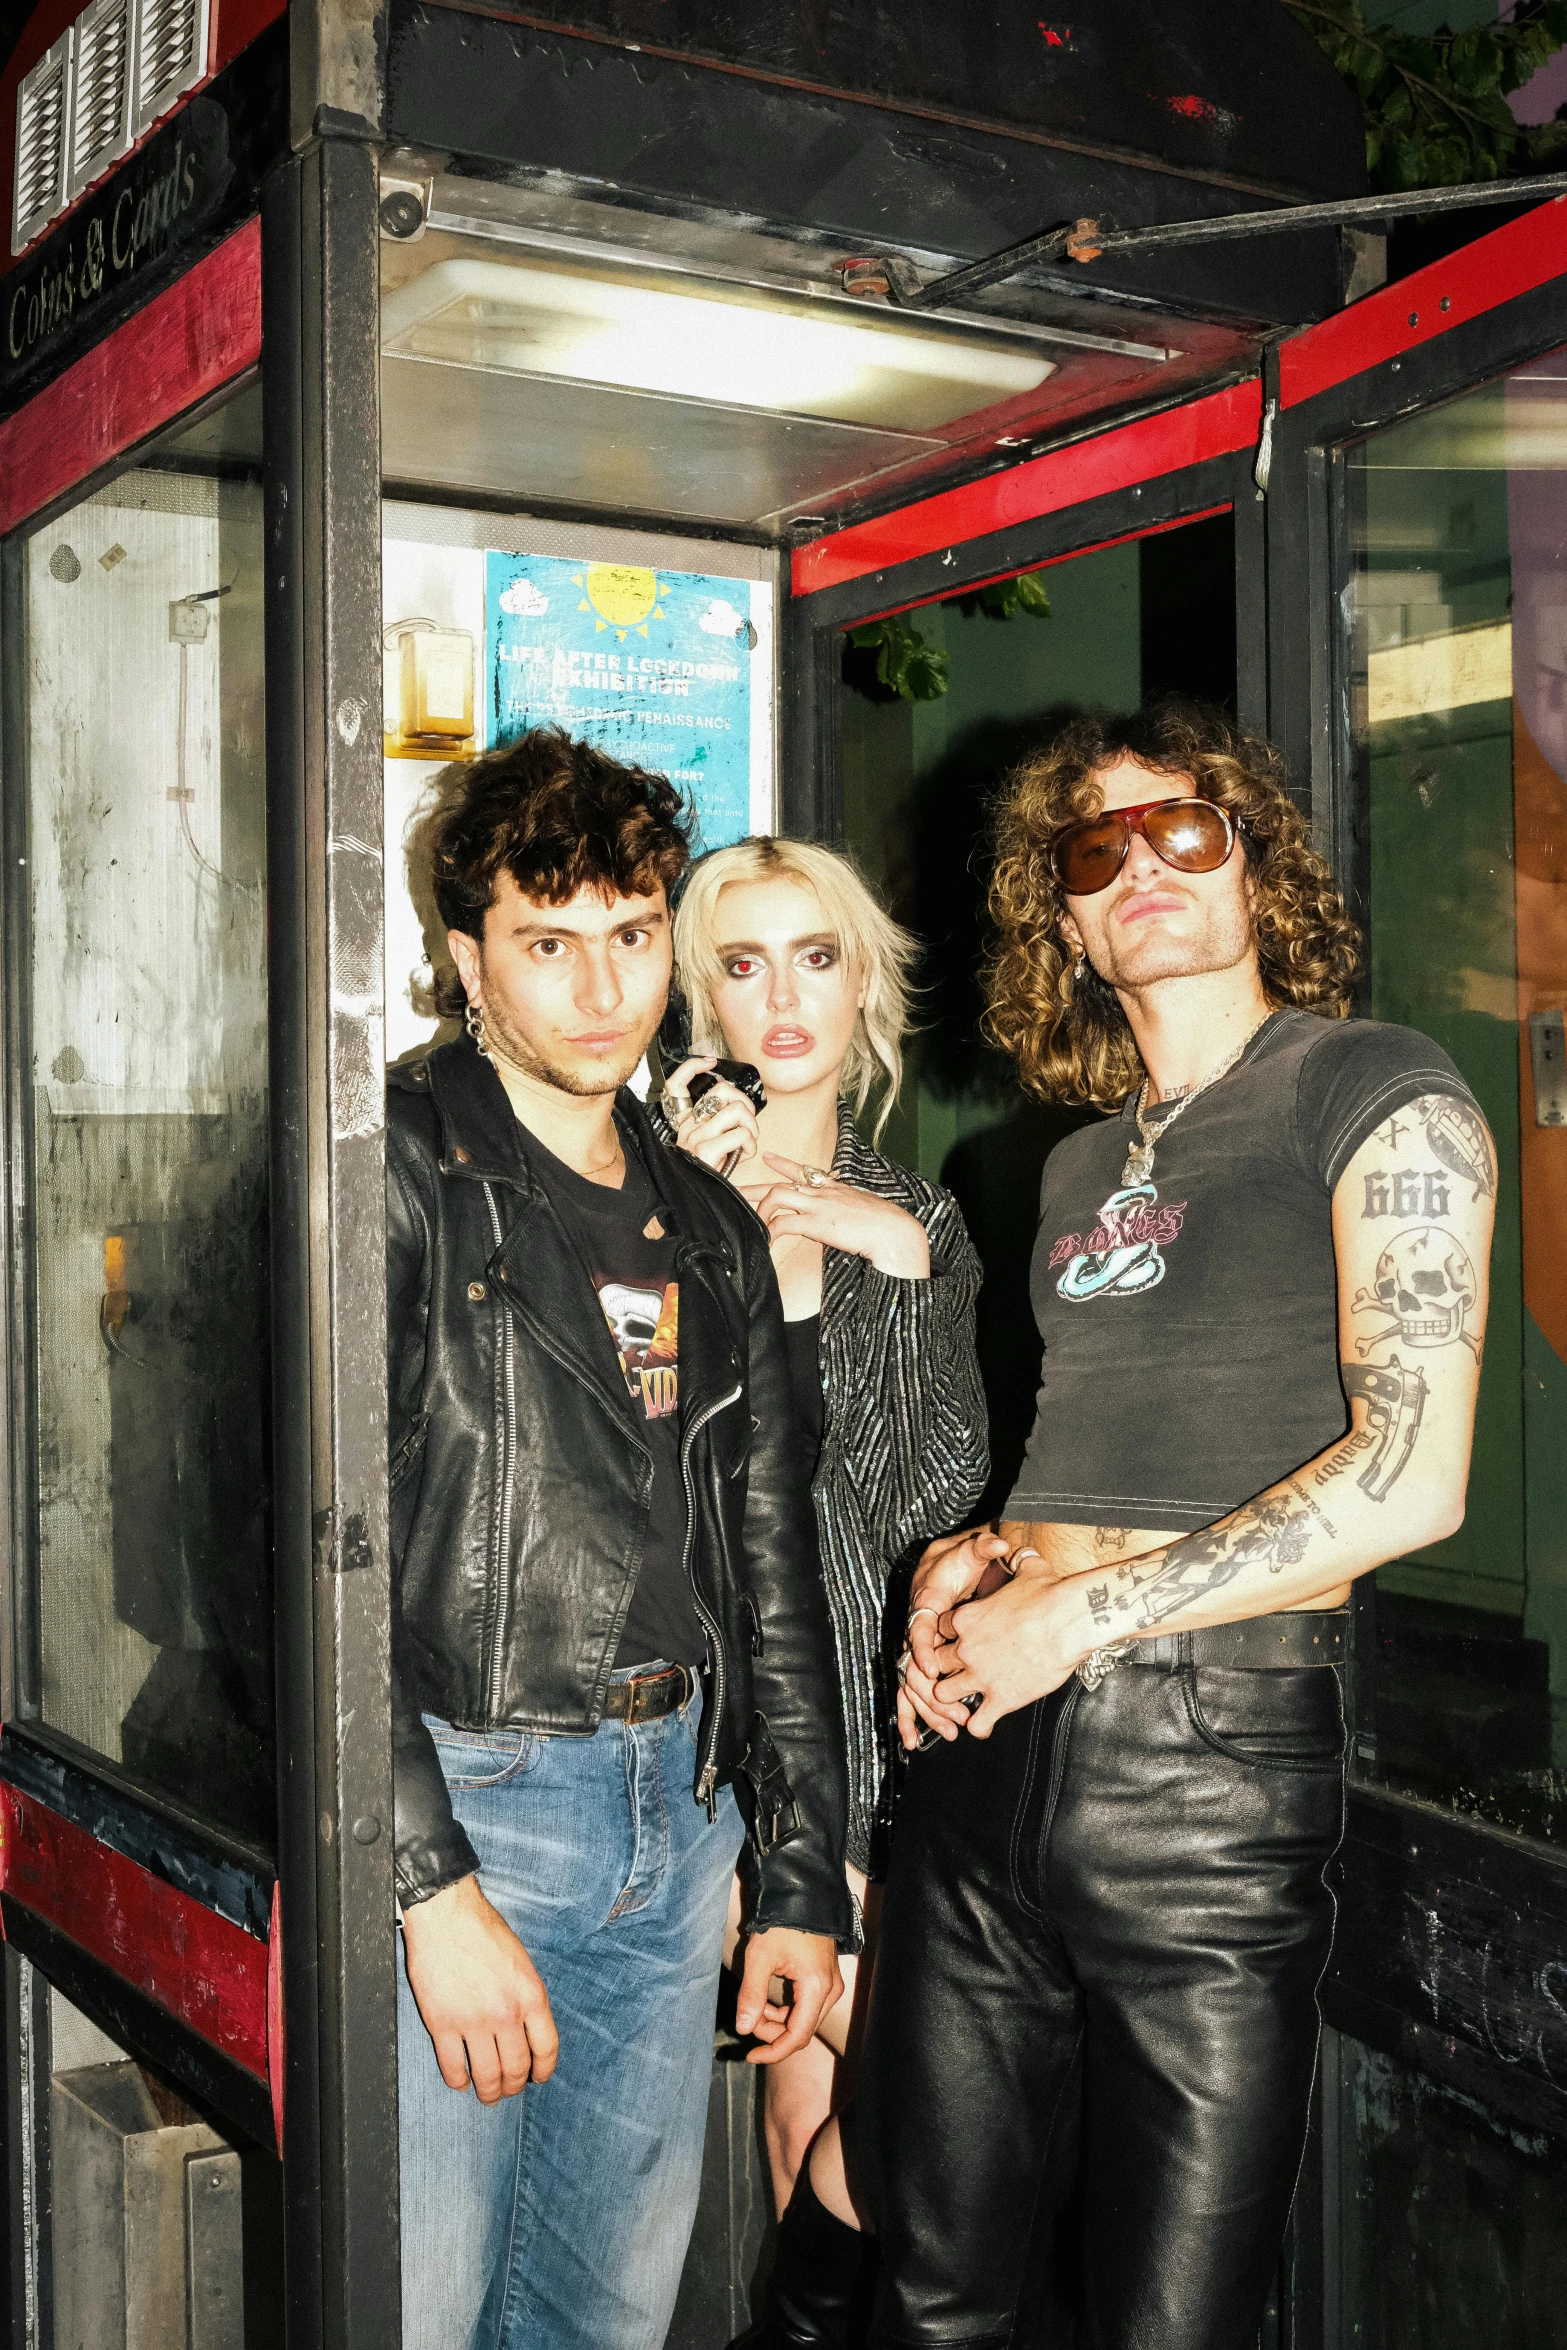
[1139, 1158]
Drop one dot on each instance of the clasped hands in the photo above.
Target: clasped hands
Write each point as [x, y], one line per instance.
[997, 1653]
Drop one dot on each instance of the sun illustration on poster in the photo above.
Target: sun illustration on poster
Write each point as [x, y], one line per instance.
[624, 595]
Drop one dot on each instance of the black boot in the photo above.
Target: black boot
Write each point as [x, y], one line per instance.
[819, 2293]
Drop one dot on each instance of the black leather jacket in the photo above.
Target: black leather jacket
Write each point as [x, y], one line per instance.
[520, 1487]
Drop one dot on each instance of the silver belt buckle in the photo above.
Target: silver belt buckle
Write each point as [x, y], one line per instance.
[1099, 1663]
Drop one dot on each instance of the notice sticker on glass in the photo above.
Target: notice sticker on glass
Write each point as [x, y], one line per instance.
[669, 670]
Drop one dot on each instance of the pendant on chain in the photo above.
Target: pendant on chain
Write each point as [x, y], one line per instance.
[1139, 1164]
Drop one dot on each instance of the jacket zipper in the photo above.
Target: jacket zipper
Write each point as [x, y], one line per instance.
[497, 1676]
[707, 1778]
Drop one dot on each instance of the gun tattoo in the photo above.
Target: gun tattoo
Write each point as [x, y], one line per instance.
[1395, 1401]
[1273, 1532]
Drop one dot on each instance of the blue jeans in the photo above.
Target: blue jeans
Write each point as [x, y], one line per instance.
[558, 2219]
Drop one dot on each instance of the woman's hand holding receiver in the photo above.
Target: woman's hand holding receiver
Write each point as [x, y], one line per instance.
[812, 1205]
[718, 1127]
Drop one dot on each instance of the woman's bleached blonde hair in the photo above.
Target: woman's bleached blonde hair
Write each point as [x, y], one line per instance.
[879, 952]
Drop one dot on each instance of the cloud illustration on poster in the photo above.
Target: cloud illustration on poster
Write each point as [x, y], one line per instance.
[525, 600]
[721, 619]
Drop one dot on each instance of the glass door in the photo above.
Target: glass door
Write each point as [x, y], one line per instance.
[145, 1093]
[138, 1755]
[1456, 523]
[1417, 595]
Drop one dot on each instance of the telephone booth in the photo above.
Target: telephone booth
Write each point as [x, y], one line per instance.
[378, 383]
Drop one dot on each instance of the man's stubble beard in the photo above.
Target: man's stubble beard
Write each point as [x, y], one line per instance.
[525, 1058]
[1226, 940]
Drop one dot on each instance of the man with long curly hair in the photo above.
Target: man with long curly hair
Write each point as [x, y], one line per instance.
[1261, 1285]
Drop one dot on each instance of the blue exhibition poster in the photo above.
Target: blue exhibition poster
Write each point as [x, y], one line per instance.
[654, 666]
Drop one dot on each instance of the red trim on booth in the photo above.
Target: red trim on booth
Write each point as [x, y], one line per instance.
[187, 342]
[206, 1972]
[1068, 555]
[276, 2051]
[1511, 260]
[239, 23]
[1214, 426]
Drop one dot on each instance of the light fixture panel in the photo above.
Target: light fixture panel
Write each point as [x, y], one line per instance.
[844, 362]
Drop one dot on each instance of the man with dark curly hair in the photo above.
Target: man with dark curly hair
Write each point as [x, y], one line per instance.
[608, 1616]
[1261, 1286]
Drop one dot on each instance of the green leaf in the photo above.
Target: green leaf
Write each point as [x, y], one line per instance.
[1435, 106]
[905, 664]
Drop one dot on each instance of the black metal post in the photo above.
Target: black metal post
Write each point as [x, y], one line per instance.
[320, 366]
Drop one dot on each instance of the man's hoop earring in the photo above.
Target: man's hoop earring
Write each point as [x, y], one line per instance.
[473, 1021]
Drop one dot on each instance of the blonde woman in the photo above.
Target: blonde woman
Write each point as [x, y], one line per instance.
[788, 962]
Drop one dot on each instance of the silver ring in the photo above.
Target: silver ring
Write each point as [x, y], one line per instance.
[814, 1177]
[708, 1107]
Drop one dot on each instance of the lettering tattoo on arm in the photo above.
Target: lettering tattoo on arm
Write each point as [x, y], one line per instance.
[1273, 1531]
[1455, 1134]
[1407, 1192]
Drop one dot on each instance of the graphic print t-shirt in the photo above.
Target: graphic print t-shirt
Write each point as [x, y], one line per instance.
[631, 1261]
[1190, 1323]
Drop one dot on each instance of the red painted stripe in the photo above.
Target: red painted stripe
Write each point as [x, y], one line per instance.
[1512, 260]
[205, 329]
[210, 1975]
[1070, 555]
[276, 2052]
[1185, 435]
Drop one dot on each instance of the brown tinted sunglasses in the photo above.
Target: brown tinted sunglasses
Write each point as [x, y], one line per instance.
[1195, 836]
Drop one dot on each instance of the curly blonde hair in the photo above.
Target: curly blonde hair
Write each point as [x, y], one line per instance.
[880, 951]
[1070, 1038]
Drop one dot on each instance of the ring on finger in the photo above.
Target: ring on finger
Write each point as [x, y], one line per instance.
[709, 1106]
[814, 1177]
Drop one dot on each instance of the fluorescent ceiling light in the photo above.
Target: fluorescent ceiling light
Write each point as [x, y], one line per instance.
[743, 349]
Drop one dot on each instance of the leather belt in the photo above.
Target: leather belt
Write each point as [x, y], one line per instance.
[1262, 1643]
[647, 1697]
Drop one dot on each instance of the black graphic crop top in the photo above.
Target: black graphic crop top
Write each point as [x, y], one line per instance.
[1190, 1324]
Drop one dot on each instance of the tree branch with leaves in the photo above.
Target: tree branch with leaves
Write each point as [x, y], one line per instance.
[1435, 104]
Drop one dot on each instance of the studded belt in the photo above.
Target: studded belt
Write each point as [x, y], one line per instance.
[1286, 1640]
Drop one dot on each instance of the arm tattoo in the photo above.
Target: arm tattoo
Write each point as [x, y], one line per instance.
[1395, 1400]
[1110, 1537]
[1425, 1289]
[1273, 1532]
[1459, 1139]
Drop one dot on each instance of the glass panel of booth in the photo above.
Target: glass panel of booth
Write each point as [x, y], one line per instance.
[145, 1095]
[659, 649]
[1457, 619]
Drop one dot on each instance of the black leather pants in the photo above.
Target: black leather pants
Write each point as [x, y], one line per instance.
[1102, 1937]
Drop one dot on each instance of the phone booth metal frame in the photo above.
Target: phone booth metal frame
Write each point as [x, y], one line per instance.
[288, 279]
